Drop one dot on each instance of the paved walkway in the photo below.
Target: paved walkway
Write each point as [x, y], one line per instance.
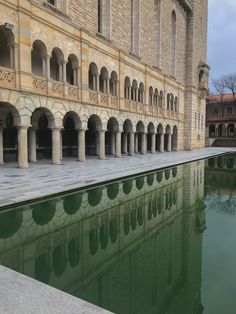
[43, 179]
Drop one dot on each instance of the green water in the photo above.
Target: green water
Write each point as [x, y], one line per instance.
[157, 243]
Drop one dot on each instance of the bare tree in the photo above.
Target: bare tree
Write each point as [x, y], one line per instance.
[230, 84]
[219, 85]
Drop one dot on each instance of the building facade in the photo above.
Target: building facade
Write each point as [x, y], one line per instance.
[81, 78]
[221, 120]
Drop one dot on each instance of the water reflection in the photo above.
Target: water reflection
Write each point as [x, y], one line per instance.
[131, 247]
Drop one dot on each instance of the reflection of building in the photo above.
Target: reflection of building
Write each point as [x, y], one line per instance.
[134, 244]
[220, 184]
[221, 120]
[81, 78]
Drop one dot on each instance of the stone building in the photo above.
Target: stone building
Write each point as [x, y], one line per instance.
[221, 120]
[106, 77]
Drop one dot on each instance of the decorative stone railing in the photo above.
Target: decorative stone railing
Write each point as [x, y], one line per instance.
[104, 99]
[114, 102]
[93, 97]
[40, 84]
[72, 92]
[7, 77]
[57, 88]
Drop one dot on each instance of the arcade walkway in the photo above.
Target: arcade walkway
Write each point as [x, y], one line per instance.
[42, 179]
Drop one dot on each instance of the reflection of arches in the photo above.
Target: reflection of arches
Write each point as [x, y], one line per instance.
[167, 174]
[126, 223]
[230, 162]
[38, 58]
[113, 230]
[95, 196]
[7, 41]
[93, 241]
[127, 186]
[159, 176]
[112, 190]
[10, 222]
[220, 162]
[150, 179]
[174, 172]
[140, 217]
[59, 260]
[42, 268]
[140, 183]
[74, 252]
[211, 162]
[103, 235]
[71, 203]
[133, 219]
[44, 212]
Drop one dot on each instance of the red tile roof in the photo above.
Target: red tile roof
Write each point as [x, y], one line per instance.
[217, 98]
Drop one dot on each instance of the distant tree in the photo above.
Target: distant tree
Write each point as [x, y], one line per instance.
[219, 85]
[230, 84]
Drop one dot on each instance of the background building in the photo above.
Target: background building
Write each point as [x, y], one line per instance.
[101, 77]
[221, 121]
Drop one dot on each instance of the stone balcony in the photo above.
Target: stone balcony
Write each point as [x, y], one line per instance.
[7, 77]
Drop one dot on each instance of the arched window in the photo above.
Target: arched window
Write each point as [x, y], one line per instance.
[135, 31]
[113, 83]
[72, 70]
[127, 88]
[7, 48]
[56, 65]
[93, 74]
[103, 81]
[134, 90]
[171, 102]
[104, 17]
[38, 58]
[157, 32]
[176, 104]
[141, 93]
[161, 99]
[168, 102]
[173, 43]
[150, 96]
[156, 97]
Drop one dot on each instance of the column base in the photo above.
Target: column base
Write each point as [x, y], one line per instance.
[26, 166]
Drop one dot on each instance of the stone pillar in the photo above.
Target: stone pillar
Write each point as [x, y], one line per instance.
[12, 57]
[97, 142]
[64, 71]
[113, 143]
[125, 142]
[75, 77]
[56, 146]
[81, 145]
[1, 146]
[136, 143]
[144, 144]
[101, 154]
[94, 82]
[162, 143]
[44, 61]
[22, 147]
[169, 143]
[153, 145]
[118, 144]
[131, 144]
[48, 57]
[61, 139]
[32, 145]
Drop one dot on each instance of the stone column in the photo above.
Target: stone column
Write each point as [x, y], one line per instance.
[44, 61]
[162, 143]
[131, 144]
[113, 143]
[32, 145]
[125, 142]
[101, 154]
[144, 144]
[48, 57]
[12, 57]
[153, 145]
[56, 146]
[61, 140]
[169, 143]
[81, 145]
[64, 71]
[1, 146]
[75, 77]
[118, 144]
[23, 147]
[136, 142]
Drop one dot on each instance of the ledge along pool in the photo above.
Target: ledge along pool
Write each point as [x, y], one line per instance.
[156, 243]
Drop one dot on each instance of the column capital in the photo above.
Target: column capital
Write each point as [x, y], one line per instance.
[102, 131]
[81, 129]
[23, 127]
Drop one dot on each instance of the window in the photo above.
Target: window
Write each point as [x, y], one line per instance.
[157, 32]
[229, 110]
[104, 17]
[135, 31]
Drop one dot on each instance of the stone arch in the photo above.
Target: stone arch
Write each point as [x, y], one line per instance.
[56, 64]
[126, 136]
[103, 80]
[71, 124]
[141, 93]
[72, 70]
[212, 130]
[7, 42]
[160, 102]
[150, 131]
[93, 76]
[222, 130]
[38, 58]
[92, 135]
[127, 87]
[155, 98]
[114, 84]
[230, 130]
[134, 91]
[172, 100]
[150, 95]
[174, 139]
[160, 132]
[140, 135]
[110, 136]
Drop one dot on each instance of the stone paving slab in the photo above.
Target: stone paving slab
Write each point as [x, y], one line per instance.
[22, 295]
[43, 179]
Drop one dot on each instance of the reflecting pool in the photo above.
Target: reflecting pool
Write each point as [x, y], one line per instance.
[156, 243]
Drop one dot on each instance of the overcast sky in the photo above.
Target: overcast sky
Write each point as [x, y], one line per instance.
[222, 37]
